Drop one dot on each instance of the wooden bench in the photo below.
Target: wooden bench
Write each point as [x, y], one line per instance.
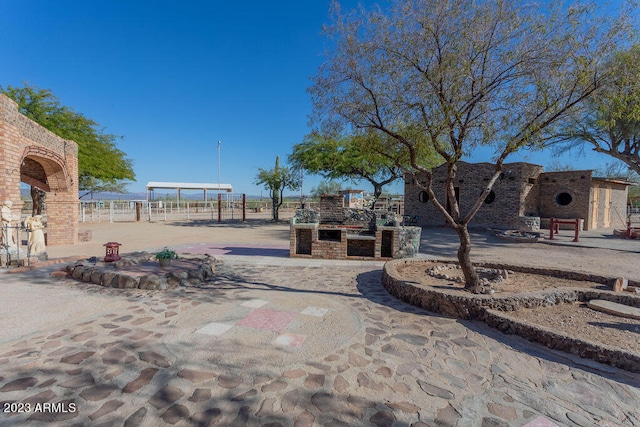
[555, 227]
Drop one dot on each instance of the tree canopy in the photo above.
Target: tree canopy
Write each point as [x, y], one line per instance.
[609, 121]
[362, 155]
[326, 187]
[461, 74]
[102, 166]
[276, 180]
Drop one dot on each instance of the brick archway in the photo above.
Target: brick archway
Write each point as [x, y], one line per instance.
[31, 154]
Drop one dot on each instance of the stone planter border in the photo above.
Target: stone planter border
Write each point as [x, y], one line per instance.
[121, 274]
[493, 309]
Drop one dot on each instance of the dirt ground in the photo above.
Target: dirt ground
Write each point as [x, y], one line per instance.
[574, 320]
[578, 320]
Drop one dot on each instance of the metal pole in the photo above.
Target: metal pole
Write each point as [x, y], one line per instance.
[18, 242]
[28, 230]
[6, 243]
[244, 207]
[219, 165]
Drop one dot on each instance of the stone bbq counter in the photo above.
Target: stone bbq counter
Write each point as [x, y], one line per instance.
[332, 241]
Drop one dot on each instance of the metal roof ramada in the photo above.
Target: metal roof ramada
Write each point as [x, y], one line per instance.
[190, 186]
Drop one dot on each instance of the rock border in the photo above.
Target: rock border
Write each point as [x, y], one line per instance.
[114, 275]
[493, 309]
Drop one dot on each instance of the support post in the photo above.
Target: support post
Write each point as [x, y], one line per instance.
[244, 207]
[219, 207]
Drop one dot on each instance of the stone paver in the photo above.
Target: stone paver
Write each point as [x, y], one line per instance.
[352, 355]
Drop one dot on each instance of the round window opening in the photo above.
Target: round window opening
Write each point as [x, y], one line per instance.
[490, 198]
[423, 196]
[563, 199]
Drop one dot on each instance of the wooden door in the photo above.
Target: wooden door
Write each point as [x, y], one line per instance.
[595, 206]
[607, 207]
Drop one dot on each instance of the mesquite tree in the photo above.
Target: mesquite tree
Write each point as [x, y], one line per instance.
[456, 75]
[102, 166]
[359, 156]
[609, 121]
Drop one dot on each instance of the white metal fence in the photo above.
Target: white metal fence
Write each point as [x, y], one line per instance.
[171, 210]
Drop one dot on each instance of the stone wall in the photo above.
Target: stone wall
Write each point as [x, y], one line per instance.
[513, 195]
[31, 154]
[556, 185]
[521, 193]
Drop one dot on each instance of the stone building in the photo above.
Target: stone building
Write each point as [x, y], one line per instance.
[523, 198]
[32, 154]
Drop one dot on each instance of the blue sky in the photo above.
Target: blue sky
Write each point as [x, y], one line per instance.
[175, 77]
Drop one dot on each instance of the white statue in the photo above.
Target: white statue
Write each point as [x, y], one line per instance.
[7, 235]
[36, 234]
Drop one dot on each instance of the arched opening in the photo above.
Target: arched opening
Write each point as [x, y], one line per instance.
[43, 175]
[46, 172]
[44, 169]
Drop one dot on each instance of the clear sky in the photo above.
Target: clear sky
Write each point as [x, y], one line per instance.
[175, 77]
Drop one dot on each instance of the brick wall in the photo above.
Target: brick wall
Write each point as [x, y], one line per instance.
[523, 191]
[331, 208]
[514, 194]
[36, 156]
[556, 188]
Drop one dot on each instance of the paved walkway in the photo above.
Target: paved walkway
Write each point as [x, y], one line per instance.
[279, 341]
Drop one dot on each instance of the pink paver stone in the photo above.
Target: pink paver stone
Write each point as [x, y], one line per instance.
[540, 422]
[268, 319]
[290, 340]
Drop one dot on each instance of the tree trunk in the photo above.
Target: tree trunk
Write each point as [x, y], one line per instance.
[471, 278]
[275, 207]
